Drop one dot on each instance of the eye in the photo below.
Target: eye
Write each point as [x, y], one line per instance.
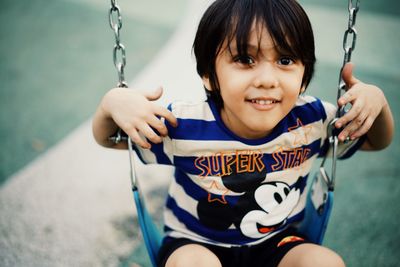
[245, 60]
[286, 190]
[286, 61]
[278, 198]
[270, 196]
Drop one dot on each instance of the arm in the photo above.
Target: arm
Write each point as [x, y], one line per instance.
[370, 113]
[134, 112]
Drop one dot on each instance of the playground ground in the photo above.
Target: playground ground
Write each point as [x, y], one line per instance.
[65, 201]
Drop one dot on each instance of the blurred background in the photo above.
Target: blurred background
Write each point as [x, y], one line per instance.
[64, 201]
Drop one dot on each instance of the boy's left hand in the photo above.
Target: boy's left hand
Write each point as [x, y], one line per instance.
[367, 102]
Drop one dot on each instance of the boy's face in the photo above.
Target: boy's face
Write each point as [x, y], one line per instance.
[259, 89]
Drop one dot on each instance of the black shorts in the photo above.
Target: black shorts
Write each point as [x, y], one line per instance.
[266, 254]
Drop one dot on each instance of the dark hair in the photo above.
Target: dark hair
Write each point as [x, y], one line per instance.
[285, 20]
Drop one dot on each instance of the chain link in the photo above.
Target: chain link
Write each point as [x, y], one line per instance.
[119, 63]
[119, 57]
[348, 47]
[349, 44]
[119, 54]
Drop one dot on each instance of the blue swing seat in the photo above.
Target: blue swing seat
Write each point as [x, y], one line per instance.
[317, 211]
[151, 235]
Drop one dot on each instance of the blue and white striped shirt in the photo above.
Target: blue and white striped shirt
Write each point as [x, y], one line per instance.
[232, 191]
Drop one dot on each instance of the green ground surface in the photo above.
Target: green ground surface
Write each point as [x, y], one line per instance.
[56, 63]
[387, 7]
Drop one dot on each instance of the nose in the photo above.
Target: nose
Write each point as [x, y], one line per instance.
[266, 76]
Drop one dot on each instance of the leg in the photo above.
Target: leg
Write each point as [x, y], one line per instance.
[306, 255]
[193, 255]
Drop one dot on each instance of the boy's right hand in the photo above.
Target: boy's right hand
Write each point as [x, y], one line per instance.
[135, 112]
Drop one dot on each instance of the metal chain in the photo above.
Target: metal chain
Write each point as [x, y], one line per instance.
[120, 63]
[115, 19]
[119, 49]
[348, 46]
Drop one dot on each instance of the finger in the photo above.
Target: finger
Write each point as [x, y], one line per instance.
[149, 133]
[347, 97]
[344, 133]
[154, 95]
[353, 113]
[353, 126]
[168, 115]
[362, 130]
[347, 75]
[134, 135]
[157, 124]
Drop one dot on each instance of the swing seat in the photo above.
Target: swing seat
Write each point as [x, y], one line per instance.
[151, 234]
[318, 208]
[317, 211]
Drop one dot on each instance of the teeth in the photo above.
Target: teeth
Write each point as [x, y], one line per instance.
[263, 102]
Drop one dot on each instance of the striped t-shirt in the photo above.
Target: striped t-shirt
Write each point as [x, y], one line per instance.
[232, 191]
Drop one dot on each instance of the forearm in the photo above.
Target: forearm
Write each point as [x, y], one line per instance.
[103, 126]
[380, 134]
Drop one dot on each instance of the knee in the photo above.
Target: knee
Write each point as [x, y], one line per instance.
[324, 257]
[312, 255]
[336, 260]
[193, 255]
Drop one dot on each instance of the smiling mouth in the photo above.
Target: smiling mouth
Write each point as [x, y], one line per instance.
[263, 102]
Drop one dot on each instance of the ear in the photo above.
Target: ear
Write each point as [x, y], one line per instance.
[206, 83]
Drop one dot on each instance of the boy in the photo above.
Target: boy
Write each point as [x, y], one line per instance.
[243, 156]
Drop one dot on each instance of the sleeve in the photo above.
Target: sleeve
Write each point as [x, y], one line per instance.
[161, 153]
[345, 149]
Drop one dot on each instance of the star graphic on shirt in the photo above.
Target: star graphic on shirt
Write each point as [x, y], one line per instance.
[300, 137]
[214, 197]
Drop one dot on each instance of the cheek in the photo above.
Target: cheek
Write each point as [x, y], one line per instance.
[291, 99]
[234, 85]
[293, 88]
[230, 89]
[294, 94]
[231, 79]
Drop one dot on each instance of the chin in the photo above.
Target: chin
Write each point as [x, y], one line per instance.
[259, 132]
[262, 126]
